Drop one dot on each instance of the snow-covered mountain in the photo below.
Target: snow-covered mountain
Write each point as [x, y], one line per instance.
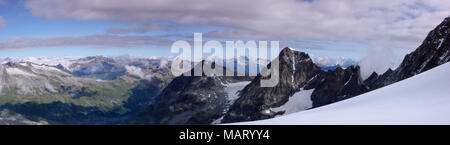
[330, 63]
[299, 78]
[98, 67]
[422, 99]
[63, 60]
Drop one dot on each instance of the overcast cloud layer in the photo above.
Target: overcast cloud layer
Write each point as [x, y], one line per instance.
[387, 23]
[2, 22]
[383, 25]
[94, 41]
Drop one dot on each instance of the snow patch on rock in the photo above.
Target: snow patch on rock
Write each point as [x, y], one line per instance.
[17, 71]
[293, 69]
[298, 102]
[440, 43]
[47, 68]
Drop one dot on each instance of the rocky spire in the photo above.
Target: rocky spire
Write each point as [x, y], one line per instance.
[434, 51]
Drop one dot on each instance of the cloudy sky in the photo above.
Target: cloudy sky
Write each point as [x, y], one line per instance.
[336, 28]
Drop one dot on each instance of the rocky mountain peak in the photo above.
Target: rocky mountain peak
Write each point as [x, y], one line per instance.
[447, 19]
[297, 73]
[433, 51]
[190, 99]
[286, 50]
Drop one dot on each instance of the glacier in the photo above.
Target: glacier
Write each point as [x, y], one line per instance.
[232, 90]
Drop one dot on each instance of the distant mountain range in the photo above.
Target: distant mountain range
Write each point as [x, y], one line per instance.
[303, 85]
[329, 63]
[141, 90]
[87, 90]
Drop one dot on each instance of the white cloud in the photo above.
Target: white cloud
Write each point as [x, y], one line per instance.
[96, 41]
[383, 25]
[136, 71]
[389, 23]
[140, 29]
[379, 60]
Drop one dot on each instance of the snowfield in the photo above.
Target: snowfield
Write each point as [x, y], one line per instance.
[423, 99]
[298, 102]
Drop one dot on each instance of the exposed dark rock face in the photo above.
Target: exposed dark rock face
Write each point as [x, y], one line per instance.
[296, 71]
[339, 84]
[433, 52]
[333, 86]
[376, 81]
[188, 100]
[201, 99]
[295, 68]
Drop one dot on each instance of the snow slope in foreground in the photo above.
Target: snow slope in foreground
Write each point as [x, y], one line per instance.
[422, 99]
